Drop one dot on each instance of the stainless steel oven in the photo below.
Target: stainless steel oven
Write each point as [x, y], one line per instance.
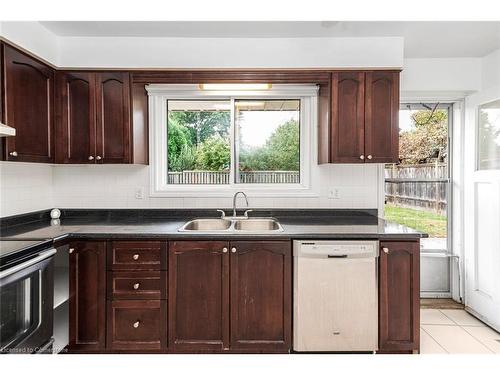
[26, 303]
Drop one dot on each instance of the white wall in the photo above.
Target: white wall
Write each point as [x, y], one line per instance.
[33, 37]
[231, 52]
[452, 77]
[25, 187]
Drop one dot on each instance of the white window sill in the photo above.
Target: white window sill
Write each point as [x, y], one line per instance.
[207, 191]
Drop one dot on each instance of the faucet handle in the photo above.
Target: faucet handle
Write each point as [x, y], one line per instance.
[223, 214]
[246, 213]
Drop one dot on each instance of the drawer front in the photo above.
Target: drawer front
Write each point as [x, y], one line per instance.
[136, 325]
[136, 284]
[137, 255]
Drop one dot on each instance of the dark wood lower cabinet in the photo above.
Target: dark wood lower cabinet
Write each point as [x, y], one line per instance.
[198, 298]
[214, 296]
[399, 296]
[261, 291]
[87, 296]
[136, 325]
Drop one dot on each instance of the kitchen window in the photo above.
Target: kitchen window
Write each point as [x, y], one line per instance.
[215, 142]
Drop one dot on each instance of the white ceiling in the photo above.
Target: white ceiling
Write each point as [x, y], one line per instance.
[422, 39]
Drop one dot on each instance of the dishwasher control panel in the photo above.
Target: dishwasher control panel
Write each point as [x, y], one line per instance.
[335, 249]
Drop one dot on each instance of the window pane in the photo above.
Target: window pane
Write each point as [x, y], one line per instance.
[199, 141]
[268, 141]
[489, 136]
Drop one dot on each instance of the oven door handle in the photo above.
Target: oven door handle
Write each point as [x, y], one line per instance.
[19, 267]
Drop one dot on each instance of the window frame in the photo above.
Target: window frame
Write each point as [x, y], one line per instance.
[160, 94]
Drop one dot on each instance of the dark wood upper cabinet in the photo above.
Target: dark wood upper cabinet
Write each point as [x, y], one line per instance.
[28, 87]
[381, 117]
[261, 295]
[198, 296]
[363, 122]
[399, 293]
[87, 296]
[113, 117]
[75, 117]
[348, 117]
[93, 118]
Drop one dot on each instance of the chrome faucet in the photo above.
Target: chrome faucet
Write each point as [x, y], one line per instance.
[234, 203]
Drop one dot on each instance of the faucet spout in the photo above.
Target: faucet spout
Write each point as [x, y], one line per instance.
[234, 201]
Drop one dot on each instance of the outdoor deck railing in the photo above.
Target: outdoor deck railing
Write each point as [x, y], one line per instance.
[222, 177]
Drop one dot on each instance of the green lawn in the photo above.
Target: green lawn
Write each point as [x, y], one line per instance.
[423, 221]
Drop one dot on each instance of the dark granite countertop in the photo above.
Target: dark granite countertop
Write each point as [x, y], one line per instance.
[126, 223]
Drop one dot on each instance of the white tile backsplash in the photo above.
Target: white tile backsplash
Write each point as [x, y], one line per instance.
[28, 187]
[25, 187]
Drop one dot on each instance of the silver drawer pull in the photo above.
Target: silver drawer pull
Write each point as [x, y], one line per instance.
[135, 256]
[136, 286]
[13, 153]
[233, 250]
[71, 250]
[136, 324]
[91, 157]
[224, 250]
[370, 157]
[362, 157]
[98, 157]
[386, 250]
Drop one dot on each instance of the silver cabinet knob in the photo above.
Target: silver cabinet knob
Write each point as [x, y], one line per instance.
[91, 157]
[135, 256]
[98, 157]
[362, 157]
[224, 250]
[13, 153]
[136, 286]
[136, 324]
[71, 250]
[370, 157]
[233, 250]
[385, 250]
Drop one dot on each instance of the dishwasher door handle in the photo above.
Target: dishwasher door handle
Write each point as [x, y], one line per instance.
[338, 256]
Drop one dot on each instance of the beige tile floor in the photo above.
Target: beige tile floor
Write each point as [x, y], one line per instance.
[456, 332]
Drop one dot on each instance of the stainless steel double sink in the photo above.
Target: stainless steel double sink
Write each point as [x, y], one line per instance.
[254, 225]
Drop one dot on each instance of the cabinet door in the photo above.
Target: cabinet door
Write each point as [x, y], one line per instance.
[113, 117]
[75, 114]
[399, 293]
[28, 94]
[261, 295]
[87, 299]
[347, 143]
[381, 117]
[198, 297]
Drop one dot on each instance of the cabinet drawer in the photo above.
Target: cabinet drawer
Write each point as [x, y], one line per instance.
[137, 255]
[136, 284]
[136, 325]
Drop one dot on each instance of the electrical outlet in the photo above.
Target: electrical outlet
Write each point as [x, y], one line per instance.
[334, 193]
[139, 193]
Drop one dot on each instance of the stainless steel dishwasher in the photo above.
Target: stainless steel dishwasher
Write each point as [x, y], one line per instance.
[335, 296]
